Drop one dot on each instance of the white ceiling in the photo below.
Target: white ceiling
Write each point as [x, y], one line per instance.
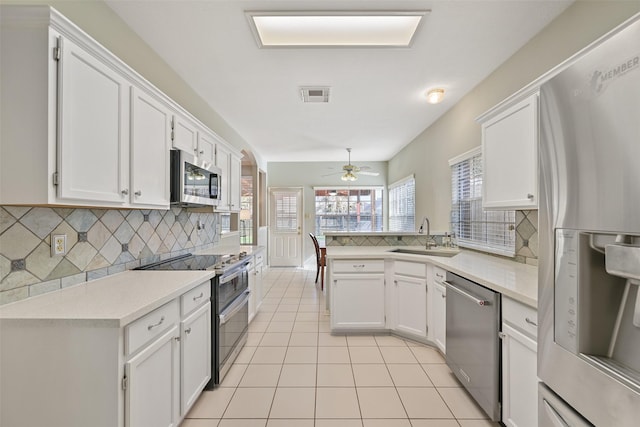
[377, 103]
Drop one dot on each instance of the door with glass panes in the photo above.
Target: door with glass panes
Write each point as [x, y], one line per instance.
[285, 237]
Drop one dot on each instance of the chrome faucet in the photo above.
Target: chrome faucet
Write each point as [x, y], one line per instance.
[430, 243]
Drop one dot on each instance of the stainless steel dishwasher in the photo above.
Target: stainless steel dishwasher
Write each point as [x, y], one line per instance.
[473, 347]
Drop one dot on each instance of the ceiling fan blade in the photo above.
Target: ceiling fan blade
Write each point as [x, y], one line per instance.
[369, 173]
[332, 174]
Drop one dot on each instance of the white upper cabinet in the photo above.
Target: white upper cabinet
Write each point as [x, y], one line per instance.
[510, 157]
[79, 127]
[185, 134]
[223, 159]
[206, 149]
[235, 178]
[150, 138]
[92, 154]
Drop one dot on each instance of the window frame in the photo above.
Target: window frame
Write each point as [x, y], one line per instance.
[474, 232]
[405, 225]
[375, 217]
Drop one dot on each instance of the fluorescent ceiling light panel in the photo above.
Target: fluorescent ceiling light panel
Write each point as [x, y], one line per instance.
[335, 29]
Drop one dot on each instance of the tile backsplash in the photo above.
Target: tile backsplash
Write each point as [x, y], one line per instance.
[526, 234]
[99, 242]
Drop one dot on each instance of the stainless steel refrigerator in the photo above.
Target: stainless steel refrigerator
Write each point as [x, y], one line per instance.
[589, 274]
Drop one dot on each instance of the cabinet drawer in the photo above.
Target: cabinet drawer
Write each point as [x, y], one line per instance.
[358, 266]
[439, 275]
[150, 326]
[196, 297]
[415, 269]
[521, 316]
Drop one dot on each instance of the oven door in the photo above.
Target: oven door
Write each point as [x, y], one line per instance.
[232, 333]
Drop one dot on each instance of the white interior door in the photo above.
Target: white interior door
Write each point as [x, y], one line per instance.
[285, 239]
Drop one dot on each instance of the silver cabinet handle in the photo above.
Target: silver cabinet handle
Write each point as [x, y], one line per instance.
[187, 331]
[138, 193]
[530, 196]
[531, 322]
[150, 327]
[125, 192]
[480, 302]
[358, 265]
[201, 151]
[199, 296]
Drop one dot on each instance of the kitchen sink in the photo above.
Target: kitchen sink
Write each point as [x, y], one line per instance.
[431, 252]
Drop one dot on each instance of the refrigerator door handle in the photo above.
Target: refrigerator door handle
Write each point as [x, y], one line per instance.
[558, 421]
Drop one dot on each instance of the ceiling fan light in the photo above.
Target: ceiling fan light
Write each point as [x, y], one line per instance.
[348, 177]
[435, 96]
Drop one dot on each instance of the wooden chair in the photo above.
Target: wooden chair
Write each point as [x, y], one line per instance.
[320, 261]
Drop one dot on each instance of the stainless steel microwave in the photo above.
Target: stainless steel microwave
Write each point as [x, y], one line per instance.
[193, 183]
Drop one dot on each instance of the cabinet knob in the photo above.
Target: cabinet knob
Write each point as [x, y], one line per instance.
[201, 151]
[187, 331]
[125, 192]
[138, 193]
[530, 196]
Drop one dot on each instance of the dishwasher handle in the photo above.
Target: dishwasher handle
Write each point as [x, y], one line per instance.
[480, 302]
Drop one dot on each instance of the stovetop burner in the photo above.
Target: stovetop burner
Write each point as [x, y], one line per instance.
[219, 263]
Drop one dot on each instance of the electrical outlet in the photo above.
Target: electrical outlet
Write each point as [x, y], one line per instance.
[58, 244]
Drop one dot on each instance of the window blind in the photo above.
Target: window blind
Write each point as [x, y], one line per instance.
[402, 205]
[489, 231]
[286, 212]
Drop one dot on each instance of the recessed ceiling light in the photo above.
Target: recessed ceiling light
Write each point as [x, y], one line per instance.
[335, 28]
[435, 96]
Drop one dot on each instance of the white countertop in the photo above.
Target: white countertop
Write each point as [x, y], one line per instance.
[515, 280]
[112, 301]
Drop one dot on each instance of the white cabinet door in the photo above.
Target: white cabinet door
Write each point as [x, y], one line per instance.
[150, 136]
[185, 134]
[235, 177]
[195, 363]
[252, 293]
[411, 305]
[358, 301]
[151, 393]
[510, 157]
[223, 156]
[206, 149]
[519, 379]
[258, 278]
[92, 129]
[438, 313]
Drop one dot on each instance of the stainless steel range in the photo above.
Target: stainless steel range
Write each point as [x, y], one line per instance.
[230, 300]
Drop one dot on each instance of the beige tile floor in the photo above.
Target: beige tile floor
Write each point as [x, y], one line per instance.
[294, 373]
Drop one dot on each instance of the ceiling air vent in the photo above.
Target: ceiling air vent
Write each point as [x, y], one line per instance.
[315, 94]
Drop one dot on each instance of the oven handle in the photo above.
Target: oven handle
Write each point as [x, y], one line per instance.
[480, 302]
[234, 307]
[225, 279]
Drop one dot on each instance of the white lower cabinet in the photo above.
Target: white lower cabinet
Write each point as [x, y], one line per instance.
[438, 316]
[519, 365]
[146, 373]
[437, 307]
[357, 295]
[410, 298]
[255, 285]
[151, 378]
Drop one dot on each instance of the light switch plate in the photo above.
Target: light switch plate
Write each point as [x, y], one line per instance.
[58, 244]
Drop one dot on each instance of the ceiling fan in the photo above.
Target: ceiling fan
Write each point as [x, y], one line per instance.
[349, 170]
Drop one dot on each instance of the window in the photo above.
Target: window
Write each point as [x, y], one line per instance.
[402, 205]
[489, 231]
[348, 209]
[246, 211]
